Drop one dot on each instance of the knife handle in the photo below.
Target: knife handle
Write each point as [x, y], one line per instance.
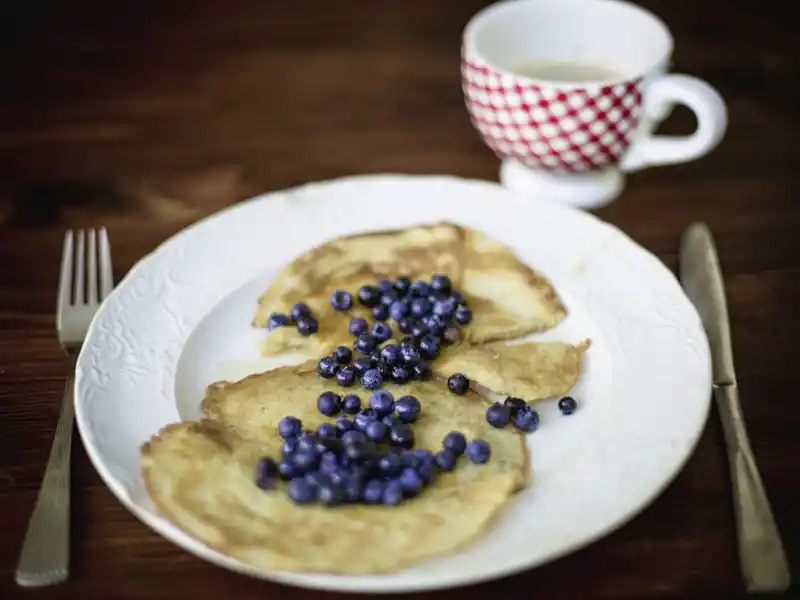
[764, 564]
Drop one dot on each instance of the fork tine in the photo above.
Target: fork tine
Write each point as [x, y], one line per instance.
[65, 278]
[80, 262]
[91, 268]
[106, 273]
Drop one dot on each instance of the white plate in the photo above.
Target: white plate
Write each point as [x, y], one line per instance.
[180, 320]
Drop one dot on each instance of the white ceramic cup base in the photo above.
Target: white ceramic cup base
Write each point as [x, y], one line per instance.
[589, 190]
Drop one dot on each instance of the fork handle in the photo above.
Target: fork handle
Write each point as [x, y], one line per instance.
[44, 559]
[764, 564]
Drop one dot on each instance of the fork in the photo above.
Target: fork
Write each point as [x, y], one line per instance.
[44, 559]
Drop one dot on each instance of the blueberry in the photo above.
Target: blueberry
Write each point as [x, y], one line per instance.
[390, 421]
[382, 402]
[384, 285]
[455, 442]
[343, 355]
[303, 461]
[267, 473]
[526, 420]
[358, 326]
[458, 383]
[327, 430]
[277, 320]
[353, 488]
[441, 284]
[306, 444]
[567, 405]
[385, 370]
[286, 469]
[376, 431]
[353, 437]
[361, 365]
[327, 367]
[341, 300]
[328, 444]
[346, 376]
[458, 299]
[328, 462]
[463, 315]
[300, 491]
[375, 356]
[392, 493]
[368, 296]
[365, 343]
[288, 447]
[514, 405]
[363, 419]
[445, 460]
[381, 332]
[478, 451]
[373, 491]
[316, 479]
[420, 307]
[411, 482]
[401, 285]
[451, 334]
[404, 325]
[421, 371]
[419, 288]
[356, 452]
[429, 347]
[426, 469]
[343, 424]
[299, 310]
[409, 342]
[400, 374]
[410, 355]
[330, 495]
[432, 324]
[329, 404]
[407, 409]
[444, 308]
[389, 464]
[418, 329]
[398, 311]
[389, 298]
[498, 415]
[307, 326]
[380, 312]
[390, 354]
[338, 476]
[351, 404]
[289, 427]
[402, 436]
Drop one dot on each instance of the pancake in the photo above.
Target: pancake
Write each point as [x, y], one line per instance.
[200, 477]
[508, 298]
[531, 371]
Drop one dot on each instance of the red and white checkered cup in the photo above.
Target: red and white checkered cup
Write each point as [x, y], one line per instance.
[574, 141]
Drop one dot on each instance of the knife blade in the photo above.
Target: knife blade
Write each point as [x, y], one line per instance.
[765, 567]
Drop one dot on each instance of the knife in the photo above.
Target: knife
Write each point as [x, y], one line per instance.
[761, 554]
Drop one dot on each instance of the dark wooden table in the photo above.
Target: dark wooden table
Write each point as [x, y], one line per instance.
[145, 117]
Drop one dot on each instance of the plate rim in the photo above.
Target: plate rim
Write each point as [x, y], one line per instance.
[295, 579]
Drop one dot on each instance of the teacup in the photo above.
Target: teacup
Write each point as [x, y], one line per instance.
[568, 92]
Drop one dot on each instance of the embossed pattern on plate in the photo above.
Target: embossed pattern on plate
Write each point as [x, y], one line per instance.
[634, 435]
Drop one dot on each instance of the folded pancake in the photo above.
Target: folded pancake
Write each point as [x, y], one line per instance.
[508, 298]
[531, 371]
[200, 477]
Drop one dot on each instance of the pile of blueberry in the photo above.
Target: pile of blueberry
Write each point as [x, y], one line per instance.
[427, 314]
[367, 459]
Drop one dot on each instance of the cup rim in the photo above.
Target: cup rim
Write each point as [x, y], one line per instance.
[475, 22]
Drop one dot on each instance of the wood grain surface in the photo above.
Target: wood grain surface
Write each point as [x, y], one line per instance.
[149, 115]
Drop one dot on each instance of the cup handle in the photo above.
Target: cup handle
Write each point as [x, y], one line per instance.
[712, 121]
